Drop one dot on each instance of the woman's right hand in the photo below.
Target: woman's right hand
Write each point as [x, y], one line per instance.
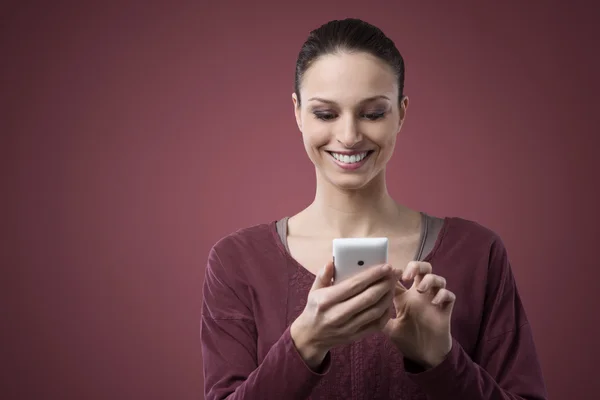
[342, 313]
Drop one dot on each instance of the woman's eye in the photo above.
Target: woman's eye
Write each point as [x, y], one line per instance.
[328, 116]
[325, 116]
[374, 116]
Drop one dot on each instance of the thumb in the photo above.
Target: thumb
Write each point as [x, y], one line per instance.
[399, 289]
[389, 327]
[324, 277]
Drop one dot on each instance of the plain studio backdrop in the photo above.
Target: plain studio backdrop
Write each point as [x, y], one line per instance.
[134, 135]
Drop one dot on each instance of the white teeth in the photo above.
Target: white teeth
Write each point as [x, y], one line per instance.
[349, 159]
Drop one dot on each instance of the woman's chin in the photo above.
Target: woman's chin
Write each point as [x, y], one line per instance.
[350, 182]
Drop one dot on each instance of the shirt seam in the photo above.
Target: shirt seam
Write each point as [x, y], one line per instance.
[439, 241]
[226, 283]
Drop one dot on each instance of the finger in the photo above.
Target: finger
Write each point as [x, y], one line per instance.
[369, 298]
[324, 277]
[369, 329]
[371, 320]
[431, 281]
[443, 298]
[416, 268]
[398, 272]
[384, 319]
[390, 326]
[358, 283]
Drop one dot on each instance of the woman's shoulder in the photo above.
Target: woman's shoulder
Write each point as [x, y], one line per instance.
[253, 238]
[246, 251]
[249, 257]
[465, 238]
[462, 230]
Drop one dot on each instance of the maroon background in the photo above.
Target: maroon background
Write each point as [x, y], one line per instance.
[135, 136]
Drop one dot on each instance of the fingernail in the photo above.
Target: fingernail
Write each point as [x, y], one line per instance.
[421, 288]
[386, 268]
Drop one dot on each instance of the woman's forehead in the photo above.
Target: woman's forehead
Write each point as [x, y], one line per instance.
[349, 76]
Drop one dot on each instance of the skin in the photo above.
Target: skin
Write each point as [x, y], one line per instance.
[349, 101]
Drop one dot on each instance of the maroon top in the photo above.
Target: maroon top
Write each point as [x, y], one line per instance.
[254, 290]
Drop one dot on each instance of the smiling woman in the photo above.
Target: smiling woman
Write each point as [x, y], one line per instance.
[352, 115]
[443, 320]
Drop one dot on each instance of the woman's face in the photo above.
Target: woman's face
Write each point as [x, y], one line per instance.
[349, 117]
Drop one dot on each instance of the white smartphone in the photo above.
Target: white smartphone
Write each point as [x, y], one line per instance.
[353, 255]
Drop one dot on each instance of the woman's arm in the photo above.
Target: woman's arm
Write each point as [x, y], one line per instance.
[505, 365]
[229, 349]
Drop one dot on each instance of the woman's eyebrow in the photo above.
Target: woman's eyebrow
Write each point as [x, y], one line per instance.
[368, 99]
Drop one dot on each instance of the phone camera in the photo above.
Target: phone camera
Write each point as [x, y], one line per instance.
[361, 262]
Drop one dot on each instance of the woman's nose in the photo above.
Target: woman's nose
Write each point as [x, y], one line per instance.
[349, 136]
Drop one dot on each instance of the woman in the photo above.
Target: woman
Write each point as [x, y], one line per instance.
[443, 321]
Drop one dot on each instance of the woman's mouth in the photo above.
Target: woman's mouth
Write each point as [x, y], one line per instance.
[350, 161]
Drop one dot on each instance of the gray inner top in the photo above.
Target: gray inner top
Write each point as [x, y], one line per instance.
[430, 229]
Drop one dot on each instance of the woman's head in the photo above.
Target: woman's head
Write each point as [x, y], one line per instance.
[349, 100]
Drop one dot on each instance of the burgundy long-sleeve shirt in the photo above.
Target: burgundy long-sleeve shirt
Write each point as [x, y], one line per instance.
[254, 290]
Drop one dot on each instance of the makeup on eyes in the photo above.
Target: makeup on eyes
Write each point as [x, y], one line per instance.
[328, 114]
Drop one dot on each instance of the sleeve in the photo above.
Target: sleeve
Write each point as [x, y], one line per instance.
[505, 365]
[229, 348]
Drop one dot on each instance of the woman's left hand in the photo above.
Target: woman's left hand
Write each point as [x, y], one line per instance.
[421, 329]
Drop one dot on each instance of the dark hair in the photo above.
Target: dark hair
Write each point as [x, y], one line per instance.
[349, 35]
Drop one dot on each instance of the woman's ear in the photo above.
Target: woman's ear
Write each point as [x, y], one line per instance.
[403, 106]
[297, 111]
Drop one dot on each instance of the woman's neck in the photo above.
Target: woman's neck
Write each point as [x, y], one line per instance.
[369, 211]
